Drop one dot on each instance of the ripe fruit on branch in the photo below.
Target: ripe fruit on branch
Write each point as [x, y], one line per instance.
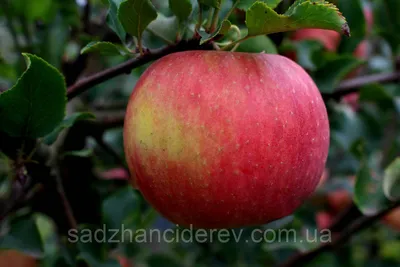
[124, 262]
[329, 39]
[218, 139]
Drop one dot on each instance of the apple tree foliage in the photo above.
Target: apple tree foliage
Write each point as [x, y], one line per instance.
[67, 69]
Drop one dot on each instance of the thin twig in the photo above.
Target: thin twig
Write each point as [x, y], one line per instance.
[302, 259]
[112, 122]
[126, 67]
[345, 218]
[354, 85]
[110, 105]
[67, 206]
[364, 80]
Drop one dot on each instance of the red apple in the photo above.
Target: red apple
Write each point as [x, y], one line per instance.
[339, 200]
[393, 219]
[217, 139]
[14, 258]
[330, 39]
[115, 174]
[124, 262]
[324, 220]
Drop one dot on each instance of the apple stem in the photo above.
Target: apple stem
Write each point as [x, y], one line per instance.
[235, 44]
[140, 47]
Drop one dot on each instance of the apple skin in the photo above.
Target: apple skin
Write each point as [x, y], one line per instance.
[217, 139]
[324, 220]
[339, 200]
[115, 174]
[14, 258]
[330, 39]
[124, 262]
[393, 219]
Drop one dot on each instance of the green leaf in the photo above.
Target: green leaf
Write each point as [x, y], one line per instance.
[37, 102]
[48, 234]
[246, 4]
[376, 93]
[391, 180]
[387, 20]
[113, 21]
[258, 44]
[309, 54]
[164, 27]
[7, 70]
[24, 236]
[346, 125]
[222, 29]
[334, 70]
[91, 242]
[136, 15]
[67, 123]
[261, 19]
[128, 213]
[368, 190]
[105, 48]
[211, 3]
[181, 8]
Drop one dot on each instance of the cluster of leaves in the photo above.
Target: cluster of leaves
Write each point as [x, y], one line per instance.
[365, 141]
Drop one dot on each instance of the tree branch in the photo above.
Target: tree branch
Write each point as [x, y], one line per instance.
[110, 105]
[302, 259]
[126, 67]
[345, 218]
[354, 85]
[65, 202]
